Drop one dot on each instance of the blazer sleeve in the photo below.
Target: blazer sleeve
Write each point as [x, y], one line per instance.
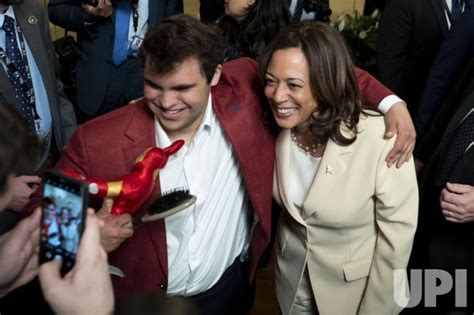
[371, 90]
[396, 207]
[67, 117]
[453, 55]
[393, 42]
[74, 157]
[67, 14]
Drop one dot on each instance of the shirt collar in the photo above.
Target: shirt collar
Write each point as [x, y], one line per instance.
[9, 12]
[208, 122]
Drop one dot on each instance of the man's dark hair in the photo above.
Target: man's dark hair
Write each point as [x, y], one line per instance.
[180, 37]
[18, 149]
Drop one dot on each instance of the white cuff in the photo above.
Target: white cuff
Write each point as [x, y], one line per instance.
[388, 102]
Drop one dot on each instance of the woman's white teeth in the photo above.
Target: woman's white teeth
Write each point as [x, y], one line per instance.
[286, 111]
[174, 111]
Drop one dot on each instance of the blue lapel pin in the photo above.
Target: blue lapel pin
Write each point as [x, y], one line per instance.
[234, 107]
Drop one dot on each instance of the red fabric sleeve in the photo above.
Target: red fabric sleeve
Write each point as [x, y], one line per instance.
[371, 90]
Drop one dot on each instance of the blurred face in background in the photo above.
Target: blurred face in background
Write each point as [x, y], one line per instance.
[237, 9]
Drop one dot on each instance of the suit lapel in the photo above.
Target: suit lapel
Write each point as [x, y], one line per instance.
[114, 6]
[440, 14]
[332, 167]
[5, 88]
[240, 123]
[455, 121]
[231, 113]
[152, 12]
[141, 132]
[328, 177]
[283, 147]
[228, 110]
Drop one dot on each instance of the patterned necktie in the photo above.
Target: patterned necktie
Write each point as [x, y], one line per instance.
[298, 10]
[122, 22]
[462, 138]
[456, 9]
[12, 51]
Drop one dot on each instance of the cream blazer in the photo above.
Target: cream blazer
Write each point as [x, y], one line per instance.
[357, 226]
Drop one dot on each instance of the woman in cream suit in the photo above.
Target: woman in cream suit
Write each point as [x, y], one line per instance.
[349, 219]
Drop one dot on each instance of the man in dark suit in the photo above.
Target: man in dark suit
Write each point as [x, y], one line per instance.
[451, 61]
[428, 141]
[410, 35]
[447, 203]
[210, 251]
[46, 110]
[108, 74]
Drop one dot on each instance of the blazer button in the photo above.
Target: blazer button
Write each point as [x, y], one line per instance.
[162, 286]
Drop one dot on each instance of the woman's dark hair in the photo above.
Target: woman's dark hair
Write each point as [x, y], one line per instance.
[248, 38]
[180, 37]
[332, 79]
[18, 148]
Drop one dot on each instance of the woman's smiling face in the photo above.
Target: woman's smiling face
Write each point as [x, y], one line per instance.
[288, 88]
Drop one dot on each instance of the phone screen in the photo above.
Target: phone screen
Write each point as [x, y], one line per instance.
[64, 206]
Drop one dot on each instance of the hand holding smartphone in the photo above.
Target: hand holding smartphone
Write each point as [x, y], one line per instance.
[64, 208]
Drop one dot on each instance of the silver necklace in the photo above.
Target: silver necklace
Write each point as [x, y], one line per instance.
[308, 150]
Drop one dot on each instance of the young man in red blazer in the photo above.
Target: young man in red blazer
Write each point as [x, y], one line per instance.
[208, 252]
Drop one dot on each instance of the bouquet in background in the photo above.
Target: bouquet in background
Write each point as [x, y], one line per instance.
[360, 33]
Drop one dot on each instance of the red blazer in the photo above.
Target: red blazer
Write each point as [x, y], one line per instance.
[107, 147]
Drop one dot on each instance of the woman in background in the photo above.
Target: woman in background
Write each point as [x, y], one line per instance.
[349, 219]
[249, 25]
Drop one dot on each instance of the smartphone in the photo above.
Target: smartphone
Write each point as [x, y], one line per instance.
[63, 218]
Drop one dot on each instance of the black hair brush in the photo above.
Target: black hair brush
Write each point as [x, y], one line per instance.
[168, 204]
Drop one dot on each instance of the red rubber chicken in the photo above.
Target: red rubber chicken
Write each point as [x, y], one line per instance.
[132, 189]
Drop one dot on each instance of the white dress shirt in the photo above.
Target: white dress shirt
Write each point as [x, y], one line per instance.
[449, 5]
[142, 26]
[206, 238]
[302, 172]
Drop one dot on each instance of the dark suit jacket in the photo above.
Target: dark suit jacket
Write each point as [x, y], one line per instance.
[449, 244]
[452, 58]
[429, 140]
[39, 40]
[409, 37]
[96, 43]
[128, 131]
